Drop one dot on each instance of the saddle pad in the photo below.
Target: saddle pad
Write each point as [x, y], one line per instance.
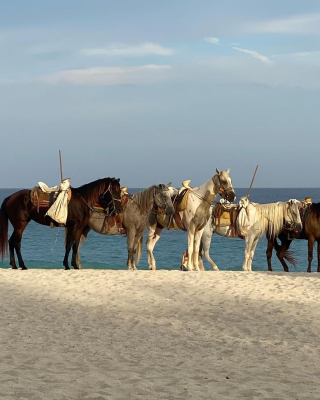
[225, 219]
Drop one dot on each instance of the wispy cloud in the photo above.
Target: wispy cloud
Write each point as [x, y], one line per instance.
[304, 24]
[213, 40]
[126, 50]
[109, 75]
[255, 54]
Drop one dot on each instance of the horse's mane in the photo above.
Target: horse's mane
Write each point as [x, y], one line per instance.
[271, 217]
[92, 190]
[143, 199]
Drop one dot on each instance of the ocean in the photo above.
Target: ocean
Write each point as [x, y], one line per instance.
[42, 246]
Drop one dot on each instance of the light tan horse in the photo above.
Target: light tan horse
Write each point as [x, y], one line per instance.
[193, 218]
[254, 221]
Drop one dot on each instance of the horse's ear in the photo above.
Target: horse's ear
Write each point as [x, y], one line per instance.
[118, 180]
[124, 189]
[228, 171]
[217, 171]
[169, 184]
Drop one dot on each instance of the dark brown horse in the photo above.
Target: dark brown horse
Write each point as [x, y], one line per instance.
[311, 231]
[19, 210]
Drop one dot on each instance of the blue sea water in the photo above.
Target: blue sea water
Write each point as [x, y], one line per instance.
[42, 247]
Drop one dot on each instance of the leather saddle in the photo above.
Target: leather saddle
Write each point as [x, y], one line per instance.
[43, 199]
[225, 216]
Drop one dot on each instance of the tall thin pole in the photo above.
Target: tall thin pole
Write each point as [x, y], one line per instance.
[254, 175]
[61, 173]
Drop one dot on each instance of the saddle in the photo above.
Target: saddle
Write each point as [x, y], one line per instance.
[42, 199]
[224, 215]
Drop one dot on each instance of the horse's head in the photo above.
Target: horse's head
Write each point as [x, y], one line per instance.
[162, 198]
[111, 197]
[223, 183]
[292, 216]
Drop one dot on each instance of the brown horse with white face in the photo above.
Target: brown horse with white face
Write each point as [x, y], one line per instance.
[19, 210]
[310, 232]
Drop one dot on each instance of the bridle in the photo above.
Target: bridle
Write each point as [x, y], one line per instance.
[159, 210]
[221, 190]
[291, 224]
[112, 201]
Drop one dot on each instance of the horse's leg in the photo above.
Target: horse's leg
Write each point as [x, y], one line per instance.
[11, 250]
[190, 263]
[252, 250]
[269, 252]
[318, 242]
[197, 240]
[247, 249]
[70, 233]
[311, 241]
[17, 244]
[131, 251]
[205, 243]
[153, 237]
[82, 239]
[76, 246]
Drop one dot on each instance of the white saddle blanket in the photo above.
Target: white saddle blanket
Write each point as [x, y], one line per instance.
[59, 209]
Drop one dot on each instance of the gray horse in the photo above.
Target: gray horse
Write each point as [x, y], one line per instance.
[134, 219]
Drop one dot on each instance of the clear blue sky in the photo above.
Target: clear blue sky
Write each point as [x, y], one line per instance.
[159, 91]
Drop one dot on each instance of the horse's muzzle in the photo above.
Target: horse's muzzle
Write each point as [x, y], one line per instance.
[298, 227]
[169, 211]
[230, 196]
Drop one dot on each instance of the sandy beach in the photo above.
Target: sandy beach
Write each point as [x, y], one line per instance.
[101, 334]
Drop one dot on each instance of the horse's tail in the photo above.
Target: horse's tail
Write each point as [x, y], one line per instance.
[139, 250]
[288, 255]
[3, 229]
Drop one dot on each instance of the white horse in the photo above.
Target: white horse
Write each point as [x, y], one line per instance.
[193, 219]
[254, 220]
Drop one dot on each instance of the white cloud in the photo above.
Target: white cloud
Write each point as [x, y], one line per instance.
[109, 75]
[233, 70]
[212, 40]
[304, 24]
[126, 50]
[255, 54]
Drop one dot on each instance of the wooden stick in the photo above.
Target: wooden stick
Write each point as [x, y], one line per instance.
[61, 173]
[254, 175]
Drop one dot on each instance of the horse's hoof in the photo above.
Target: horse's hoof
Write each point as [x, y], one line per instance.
[14, 267]
[76, 267]
[66, 268]
[24, 268]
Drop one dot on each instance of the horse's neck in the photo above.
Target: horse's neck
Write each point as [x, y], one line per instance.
[207, 191]
[271, 217]
[144, 200]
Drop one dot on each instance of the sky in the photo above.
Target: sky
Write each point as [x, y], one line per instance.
[160, 91]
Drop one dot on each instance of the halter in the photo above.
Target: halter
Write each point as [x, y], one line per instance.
[291, 224]
[221, 190]
[113, 200]
[162, 210]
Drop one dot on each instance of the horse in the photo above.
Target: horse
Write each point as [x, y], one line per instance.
[253, 221]
[310, 232]
[193, 218]
[134, 219]
[19, 210]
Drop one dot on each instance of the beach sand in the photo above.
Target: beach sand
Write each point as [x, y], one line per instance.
[101, 334]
